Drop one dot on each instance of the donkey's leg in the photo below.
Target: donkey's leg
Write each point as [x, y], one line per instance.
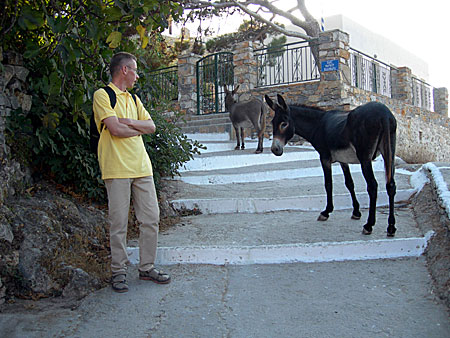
[326, 166]
[260, 148]
[242, 138]
[260, 125]
[238, 145]
[388, 153]
[351, 188]
[260, 142]
[372, 187]
[391, 190]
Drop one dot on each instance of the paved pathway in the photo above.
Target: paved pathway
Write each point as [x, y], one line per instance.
[259, 211]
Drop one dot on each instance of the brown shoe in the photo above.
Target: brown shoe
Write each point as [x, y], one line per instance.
[154, 275]
[119, 283]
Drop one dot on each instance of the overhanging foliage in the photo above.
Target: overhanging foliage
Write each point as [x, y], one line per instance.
[67, 46]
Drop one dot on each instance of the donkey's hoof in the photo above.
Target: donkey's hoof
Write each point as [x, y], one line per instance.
[390, 233]
[322, 218]
[356, 214]
[242, 147]
[366, 232]
[237, 148]
[258, 151]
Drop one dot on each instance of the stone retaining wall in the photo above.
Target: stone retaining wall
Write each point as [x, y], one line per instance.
[13, 95]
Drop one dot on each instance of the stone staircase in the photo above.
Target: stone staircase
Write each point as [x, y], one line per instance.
[206, 124]
[251, 208]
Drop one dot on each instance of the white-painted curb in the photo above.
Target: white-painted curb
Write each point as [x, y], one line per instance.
[295, 203]
[290, 253]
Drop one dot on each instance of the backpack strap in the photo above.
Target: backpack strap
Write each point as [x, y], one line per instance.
[112, 96]
[112, 101]
[134, 99]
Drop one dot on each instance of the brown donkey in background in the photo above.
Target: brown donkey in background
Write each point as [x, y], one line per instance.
[245, 115]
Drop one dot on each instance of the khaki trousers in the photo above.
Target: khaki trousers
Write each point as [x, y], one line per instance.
[147, 213]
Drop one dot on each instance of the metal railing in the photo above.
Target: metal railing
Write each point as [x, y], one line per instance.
[370, 74]
[422, 94]
[163, 83]
[290, 63]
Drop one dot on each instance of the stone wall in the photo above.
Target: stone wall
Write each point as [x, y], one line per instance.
[187, 83]
[422, 135]
[13, 95]
[13, 177]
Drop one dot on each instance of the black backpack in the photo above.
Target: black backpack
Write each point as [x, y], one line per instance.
[94, 134]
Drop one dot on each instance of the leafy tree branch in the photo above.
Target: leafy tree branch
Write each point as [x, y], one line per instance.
[309, 24]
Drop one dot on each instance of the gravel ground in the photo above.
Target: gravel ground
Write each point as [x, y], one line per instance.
[429, 214]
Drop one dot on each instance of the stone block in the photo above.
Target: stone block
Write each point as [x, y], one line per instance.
[14, 102]
[13, 58]
[3, 100]
[21, 73]
[25, 101]
[8, 73]
[345, 54]
[6, 232]
[341, 36]
[324, 37]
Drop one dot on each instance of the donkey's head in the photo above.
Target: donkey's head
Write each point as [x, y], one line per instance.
[229, 98]
[283, 126]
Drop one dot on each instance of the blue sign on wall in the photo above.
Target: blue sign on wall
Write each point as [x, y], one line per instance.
[330, 65]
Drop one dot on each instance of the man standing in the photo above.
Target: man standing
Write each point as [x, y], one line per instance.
[127, 171]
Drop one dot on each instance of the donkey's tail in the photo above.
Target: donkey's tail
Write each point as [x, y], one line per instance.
[389, 144]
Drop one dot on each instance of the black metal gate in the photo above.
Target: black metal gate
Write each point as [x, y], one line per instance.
[214, 72]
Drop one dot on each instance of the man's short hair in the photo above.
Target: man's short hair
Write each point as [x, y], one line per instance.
[118, 60]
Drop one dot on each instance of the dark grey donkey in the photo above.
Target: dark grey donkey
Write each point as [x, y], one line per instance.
[245, 115]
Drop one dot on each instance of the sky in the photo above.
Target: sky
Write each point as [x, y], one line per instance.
[421, 27]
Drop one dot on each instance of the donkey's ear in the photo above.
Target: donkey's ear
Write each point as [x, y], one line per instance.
[281, 102]
[226, 89]
[269, 102]
[235, 89]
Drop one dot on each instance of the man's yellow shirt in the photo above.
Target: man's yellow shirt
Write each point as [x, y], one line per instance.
[121, 157]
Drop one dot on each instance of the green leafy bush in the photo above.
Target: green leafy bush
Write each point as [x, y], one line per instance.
[62, 152]
[67, 47]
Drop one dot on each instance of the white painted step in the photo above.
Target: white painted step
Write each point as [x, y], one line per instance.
[233, 161]
[297, 203]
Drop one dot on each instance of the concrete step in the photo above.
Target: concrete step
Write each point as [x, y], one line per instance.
[207, 129]
[219, 146]
[209, 137]
[244, 158]
[206, 117]
[284, 227]
[292, 194]
[201, 122]
[206, 124]
[283, 237]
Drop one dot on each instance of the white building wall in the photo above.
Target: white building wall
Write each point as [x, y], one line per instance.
[373, 44]
[370, 43]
